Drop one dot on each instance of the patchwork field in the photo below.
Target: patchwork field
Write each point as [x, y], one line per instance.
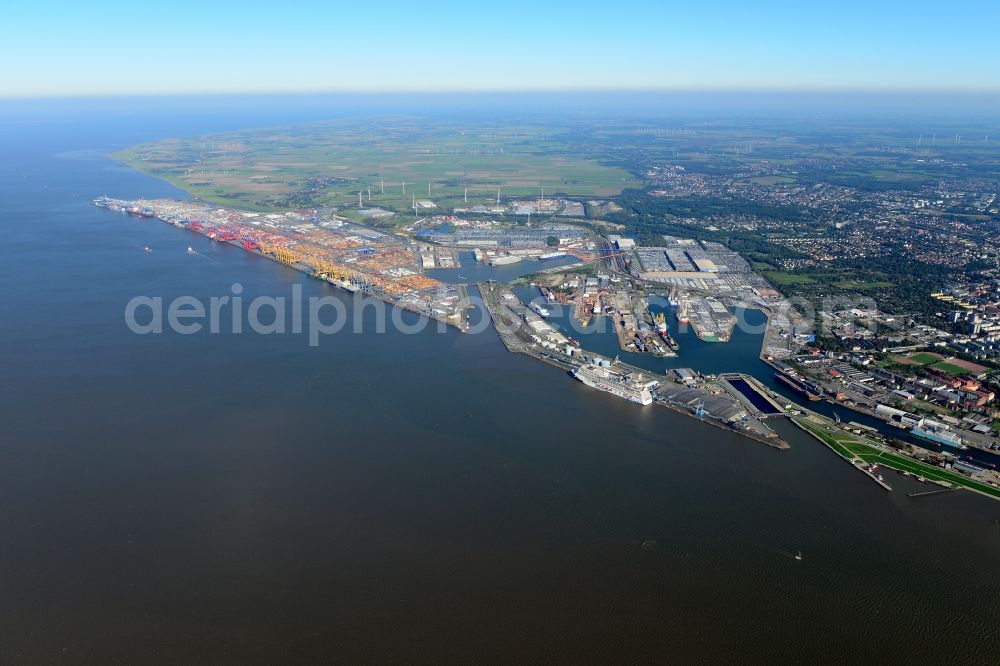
[390, 161]
[950, 366]
[921, 358]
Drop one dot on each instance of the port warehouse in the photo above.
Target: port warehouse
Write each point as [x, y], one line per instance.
[507, 238]
[908, 419]
[721, 406]
[660, 260]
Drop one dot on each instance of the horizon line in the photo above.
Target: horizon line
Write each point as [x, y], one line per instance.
[773, 90]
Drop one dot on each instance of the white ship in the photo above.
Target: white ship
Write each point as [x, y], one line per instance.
[539, 309]
[504, 261]
[551, 255]
[939, 435]
[682, 312]
[624, 386]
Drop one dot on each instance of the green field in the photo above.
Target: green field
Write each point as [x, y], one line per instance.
[856, 285]
[779, 278]
[856, 447]
[949, 369]
[925, 358]
[390, 161]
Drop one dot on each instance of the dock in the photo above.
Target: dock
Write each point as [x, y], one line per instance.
[925, 493]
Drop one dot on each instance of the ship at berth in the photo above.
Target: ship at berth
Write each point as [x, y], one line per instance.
[938, 435]
[622, 385]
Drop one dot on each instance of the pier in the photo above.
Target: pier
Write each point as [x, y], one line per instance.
[925, 493]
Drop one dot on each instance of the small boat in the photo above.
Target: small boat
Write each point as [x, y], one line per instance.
[191, 250]
[798, 555]
[147, 249]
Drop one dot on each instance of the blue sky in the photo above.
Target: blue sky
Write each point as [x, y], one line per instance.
[145, 47]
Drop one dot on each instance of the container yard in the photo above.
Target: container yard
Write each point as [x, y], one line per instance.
[328, 248]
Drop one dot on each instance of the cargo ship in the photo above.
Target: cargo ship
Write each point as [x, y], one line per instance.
[938, 435]
[551, 255]
[661, 329]
[624, 386]
[682, 313]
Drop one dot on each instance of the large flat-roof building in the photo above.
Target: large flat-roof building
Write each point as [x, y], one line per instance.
[706, 266]
[622, 243]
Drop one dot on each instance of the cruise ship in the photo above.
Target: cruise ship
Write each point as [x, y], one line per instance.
[938, 436]
[551, 255]
[539, 309]
[505, 260]
[624, 386]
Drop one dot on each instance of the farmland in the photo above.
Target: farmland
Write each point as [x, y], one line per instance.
[390, 161]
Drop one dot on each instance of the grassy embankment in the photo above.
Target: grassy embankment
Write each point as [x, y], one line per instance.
[854, 448]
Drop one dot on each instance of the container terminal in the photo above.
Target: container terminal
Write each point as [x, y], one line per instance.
[337, 251]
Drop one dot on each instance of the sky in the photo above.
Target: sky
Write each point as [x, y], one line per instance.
[144, 47]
